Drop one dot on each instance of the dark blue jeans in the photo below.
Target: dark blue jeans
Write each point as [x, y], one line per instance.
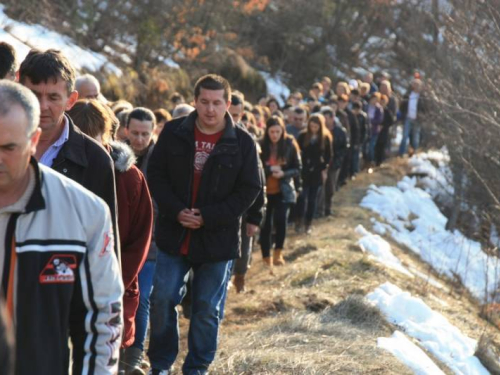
[142, 316]
[309, 199]
[277, 215]
[371, 147]
[209, 288]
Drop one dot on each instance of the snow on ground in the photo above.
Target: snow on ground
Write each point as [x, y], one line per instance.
[413, 219]
[379, 250]
[409, 353]
[432, 330]
[23, 37]
[437, 180]
[276, 87]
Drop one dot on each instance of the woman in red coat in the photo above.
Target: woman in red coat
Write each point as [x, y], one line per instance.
[135, 211]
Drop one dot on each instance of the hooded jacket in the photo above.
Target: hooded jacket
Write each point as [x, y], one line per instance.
[135, 222]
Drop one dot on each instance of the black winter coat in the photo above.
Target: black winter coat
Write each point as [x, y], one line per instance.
[314, 160]
[363, 126]
[339, 146]
[85, 161]
[229, 185]
[354, 128]
[255, 213]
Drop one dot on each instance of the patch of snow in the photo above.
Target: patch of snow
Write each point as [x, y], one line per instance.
[433, 331]
[413, 219]
[36, 36]
[438, 177]
[276, 87]
[380, 250]
[410, 354]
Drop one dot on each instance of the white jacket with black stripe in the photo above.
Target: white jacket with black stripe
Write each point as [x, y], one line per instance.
[68, 281]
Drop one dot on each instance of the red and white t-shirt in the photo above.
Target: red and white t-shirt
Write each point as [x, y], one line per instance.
[203, 146]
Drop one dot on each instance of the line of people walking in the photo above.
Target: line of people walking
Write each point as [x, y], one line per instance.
[113, 215]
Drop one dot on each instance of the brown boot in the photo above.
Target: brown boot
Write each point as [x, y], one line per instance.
[278, 257]
[239, 283]
[268, 263]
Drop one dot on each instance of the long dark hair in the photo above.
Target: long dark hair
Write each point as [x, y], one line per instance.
[266, 142]
[323, 134]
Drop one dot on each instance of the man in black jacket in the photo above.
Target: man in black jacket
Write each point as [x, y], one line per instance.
[253, 217]
[340, 147]
[62, 146]
[203, 175]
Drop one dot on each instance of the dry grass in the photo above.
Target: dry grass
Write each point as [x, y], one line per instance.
[307, 343]
[310, 317]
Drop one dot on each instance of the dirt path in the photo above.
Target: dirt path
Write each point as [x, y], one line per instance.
[310, 318]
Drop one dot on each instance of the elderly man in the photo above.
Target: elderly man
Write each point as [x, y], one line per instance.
[88, 87]
[59, 275]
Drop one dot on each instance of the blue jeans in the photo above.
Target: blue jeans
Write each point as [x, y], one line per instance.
[209, 288]
[371, 147]
[411, 130]
[142, 316]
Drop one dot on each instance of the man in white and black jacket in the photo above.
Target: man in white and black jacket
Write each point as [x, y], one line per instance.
[59, 274]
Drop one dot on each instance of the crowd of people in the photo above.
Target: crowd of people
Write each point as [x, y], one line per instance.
[112, 215]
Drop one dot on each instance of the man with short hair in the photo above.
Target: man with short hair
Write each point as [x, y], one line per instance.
[58, 273]
[299, 120]
[141, 123]
[236, 109]
[7, 61]
[62, 146]
[340, 147]
[140, 127]
[412, 110]
[368, 78]
[253, 217]
[346, 119]
[204, 176]
[88, 87]
[327, 93]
